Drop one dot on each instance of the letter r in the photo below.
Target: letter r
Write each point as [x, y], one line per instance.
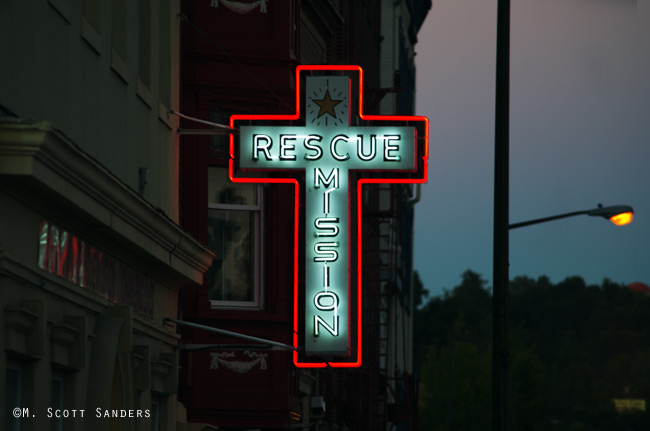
[261, 143]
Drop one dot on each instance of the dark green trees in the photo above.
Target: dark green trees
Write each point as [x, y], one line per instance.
[574, 349]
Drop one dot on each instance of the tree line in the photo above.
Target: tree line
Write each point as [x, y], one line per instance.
[574, 350]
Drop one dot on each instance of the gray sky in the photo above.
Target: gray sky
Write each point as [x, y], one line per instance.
[579, 136]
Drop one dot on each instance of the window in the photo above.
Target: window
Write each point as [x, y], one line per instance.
[57, 394]
[234, 218]
[13, 379]
[155, 413]
[160, 418]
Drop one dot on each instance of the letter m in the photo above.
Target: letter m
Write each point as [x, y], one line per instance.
[333, 177]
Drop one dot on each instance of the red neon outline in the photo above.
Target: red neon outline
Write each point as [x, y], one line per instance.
[360, 183]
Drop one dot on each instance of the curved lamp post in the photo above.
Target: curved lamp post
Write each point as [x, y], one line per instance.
[618, 214]
[500, 276]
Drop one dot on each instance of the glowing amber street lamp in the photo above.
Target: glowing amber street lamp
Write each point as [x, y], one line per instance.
[622, 219]
[618, 214]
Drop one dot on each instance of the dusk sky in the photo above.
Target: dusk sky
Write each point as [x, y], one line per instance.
[579, 136]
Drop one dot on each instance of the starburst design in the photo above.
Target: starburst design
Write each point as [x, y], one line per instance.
[326, 105]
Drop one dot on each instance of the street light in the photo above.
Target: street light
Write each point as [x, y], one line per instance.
[500, 253]
[618, 214]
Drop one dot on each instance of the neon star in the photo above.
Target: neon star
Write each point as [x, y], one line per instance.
[326, 105]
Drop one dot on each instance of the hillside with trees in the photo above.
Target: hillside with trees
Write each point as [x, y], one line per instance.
[574, 349]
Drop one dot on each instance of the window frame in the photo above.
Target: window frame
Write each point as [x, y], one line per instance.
[10, 421]
[257, 261]
[57, 400]
[157, 405]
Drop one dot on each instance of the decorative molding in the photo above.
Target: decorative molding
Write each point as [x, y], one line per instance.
[37, 155]
[33, 277]
[141, 367]
[144, 93]
[18, 325]
[164, 374]
[125, 337]
[240, 7]
[119, 66]
[238, 366]
[25, 328]
[63, 7]
[68, 342]
[165, 116]
[91, 36]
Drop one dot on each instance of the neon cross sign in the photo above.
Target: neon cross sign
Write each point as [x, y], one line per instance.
[327, 148]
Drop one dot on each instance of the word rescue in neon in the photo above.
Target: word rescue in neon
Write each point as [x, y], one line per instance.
[362, 146]
[327, 148]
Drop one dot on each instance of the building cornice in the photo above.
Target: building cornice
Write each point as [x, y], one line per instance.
[36, 155]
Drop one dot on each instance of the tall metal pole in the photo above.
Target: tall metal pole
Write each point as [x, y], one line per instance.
[500, 348]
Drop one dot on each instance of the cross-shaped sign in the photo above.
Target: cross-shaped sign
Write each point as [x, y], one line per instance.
[328, 142]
